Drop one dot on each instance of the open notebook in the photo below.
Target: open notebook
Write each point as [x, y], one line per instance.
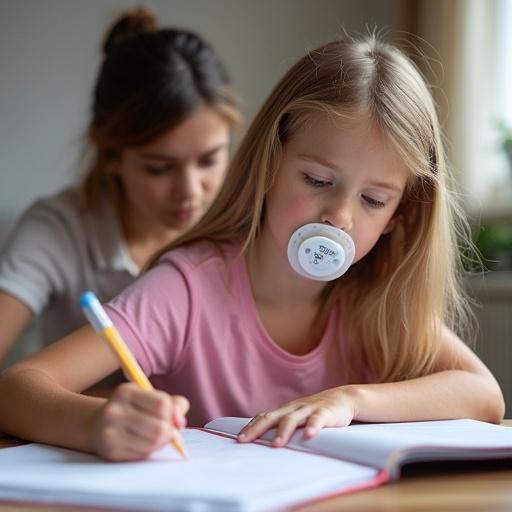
[223, 475]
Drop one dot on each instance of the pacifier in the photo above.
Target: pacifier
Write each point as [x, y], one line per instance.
[320, 251]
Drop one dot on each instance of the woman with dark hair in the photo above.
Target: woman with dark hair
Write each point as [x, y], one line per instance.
[162, 113]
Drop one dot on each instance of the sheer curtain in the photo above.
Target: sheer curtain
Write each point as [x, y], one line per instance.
[468, 45]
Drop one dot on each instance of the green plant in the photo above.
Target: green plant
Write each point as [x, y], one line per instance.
[494, 241]
[505, 131]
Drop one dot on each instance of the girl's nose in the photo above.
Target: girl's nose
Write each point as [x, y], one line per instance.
[339, 216]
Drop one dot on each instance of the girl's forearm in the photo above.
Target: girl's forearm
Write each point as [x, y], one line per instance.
[444, 395]
[36, 408]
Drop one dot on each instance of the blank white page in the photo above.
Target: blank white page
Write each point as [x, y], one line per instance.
[388, 445]
[219, 475]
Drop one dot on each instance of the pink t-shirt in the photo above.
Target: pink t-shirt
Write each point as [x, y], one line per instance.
[193, 325]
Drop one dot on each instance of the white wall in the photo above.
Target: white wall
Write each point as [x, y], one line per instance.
[49, 54]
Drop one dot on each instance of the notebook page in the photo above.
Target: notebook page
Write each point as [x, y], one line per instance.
[341, 443]
[219, 475]
[387, 445]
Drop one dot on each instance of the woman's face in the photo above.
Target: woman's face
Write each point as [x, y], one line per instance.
[169, 183]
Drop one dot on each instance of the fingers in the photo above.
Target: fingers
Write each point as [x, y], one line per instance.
[156, 403]
[135, 422]
[148, 428]
[180, 407]
[289, 418]
[289, 424]
[120, 443]
[321, 418]
[257, 426]
[286, 420]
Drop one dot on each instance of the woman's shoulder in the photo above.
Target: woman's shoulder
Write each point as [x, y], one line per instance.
[55, 225]
[65, 215]
[48, 215]
[63, 204]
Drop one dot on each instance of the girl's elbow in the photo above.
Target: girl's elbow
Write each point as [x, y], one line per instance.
[499, 412]
[485, 402]
[494, 409]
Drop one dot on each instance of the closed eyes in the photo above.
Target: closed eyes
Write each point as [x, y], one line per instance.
[315, 182]
[372, 202]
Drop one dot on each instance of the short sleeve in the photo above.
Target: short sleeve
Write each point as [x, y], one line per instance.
[34, 259]
[153, 316]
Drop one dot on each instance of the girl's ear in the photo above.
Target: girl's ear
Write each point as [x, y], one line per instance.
[398, 217]
[391, 224]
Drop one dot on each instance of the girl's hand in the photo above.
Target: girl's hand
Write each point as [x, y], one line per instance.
[134, 423]
[331, 408]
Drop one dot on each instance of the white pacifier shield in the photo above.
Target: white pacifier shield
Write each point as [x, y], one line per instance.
[320, 251]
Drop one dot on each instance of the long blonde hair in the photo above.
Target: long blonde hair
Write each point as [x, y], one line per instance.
[397, 297]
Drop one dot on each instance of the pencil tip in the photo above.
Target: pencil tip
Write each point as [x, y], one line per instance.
[178, 444]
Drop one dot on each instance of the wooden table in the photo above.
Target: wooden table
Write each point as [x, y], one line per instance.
[468, 491]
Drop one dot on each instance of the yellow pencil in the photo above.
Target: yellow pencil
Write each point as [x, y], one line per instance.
[99, 319]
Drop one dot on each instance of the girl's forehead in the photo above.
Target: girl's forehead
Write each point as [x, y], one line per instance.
[348, 144]
[341, 135]
[362, 132]
[358, 124]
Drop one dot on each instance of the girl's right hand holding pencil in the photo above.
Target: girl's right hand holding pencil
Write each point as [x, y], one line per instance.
[136, 422]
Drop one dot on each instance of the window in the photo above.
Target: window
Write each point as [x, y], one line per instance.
[487, 112]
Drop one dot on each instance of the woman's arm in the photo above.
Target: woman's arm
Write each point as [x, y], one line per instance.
[15, 317]
[460, 387]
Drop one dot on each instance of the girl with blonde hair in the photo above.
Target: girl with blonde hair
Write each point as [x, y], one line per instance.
[321, 287]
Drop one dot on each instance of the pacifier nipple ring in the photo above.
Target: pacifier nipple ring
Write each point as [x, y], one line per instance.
[320, 252]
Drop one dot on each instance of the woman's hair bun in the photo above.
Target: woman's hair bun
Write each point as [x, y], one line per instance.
[131, 23]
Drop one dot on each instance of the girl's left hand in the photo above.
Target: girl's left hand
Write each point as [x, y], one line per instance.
[334, 407]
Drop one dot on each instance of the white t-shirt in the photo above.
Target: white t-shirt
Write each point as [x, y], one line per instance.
[56, 251]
